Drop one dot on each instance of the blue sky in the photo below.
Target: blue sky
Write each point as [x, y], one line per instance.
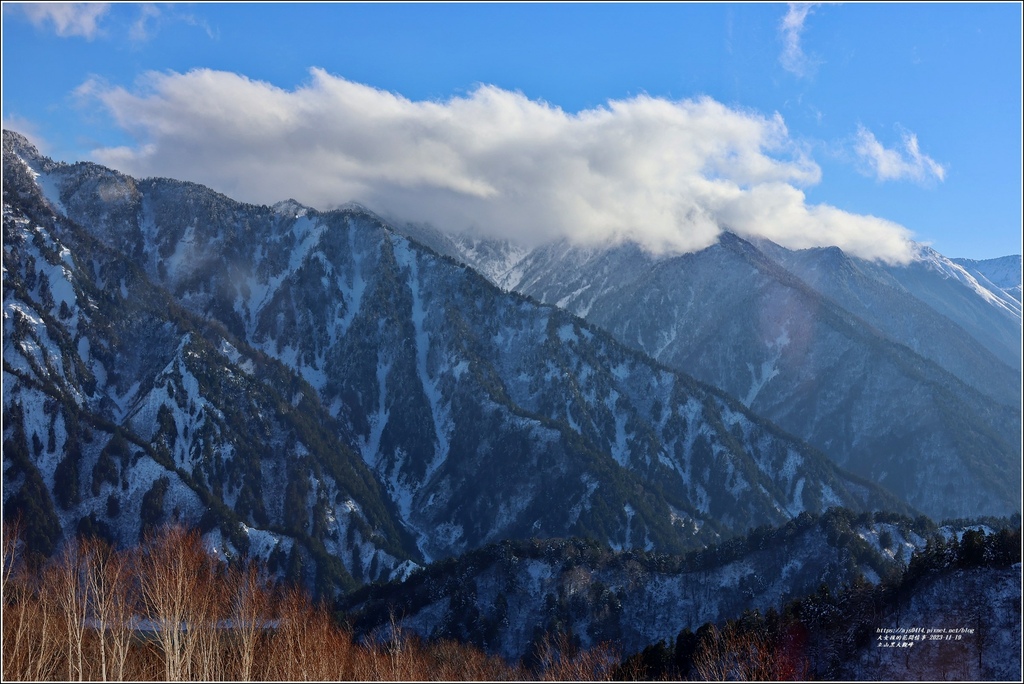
[859, 124]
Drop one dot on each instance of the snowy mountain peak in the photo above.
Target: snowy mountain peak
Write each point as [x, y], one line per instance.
[290, 208]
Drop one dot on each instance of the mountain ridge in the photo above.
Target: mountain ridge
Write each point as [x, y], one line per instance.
[793, 349]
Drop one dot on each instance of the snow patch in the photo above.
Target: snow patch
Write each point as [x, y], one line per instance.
[50, 188]
[768, 369]
[798, 497]
[621, 371]
[370, 445]
[352, 291]
[571, 297]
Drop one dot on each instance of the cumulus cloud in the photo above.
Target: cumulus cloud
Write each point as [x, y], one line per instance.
[890, 164]
[793, 58]
[670, 175]
[67, 18]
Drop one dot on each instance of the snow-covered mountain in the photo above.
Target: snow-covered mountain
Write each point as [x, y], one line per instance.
[482, 414]
[122, 411]
[1001, 273]
[474, 414]
[908, 375]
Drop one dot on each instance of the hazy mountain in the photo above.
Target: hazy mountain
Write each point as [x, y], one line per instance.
[909, 376]
[1003, 273]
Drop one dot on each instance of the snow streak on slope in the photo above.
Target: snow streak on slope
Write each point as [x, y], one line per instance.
[948, 268]
[439, 412]
[353, 290]
[1002, 273]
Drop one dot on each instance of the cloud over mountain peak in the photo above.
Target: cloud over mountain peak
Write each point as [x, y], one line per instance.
[670, 175]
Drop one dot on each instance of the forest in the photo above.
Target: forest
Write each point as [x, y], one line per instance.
[171, 610]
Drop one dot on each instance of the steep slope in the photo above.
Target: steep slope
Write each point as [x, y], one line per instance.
[123, 411]
[990, 315]
[835, 350]
[491, 258]
[485, 415]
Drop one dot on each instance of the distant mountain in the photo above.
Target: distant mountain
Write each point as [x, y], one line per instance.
[1003, 273]
[907, 375]
[476, 415]
[931, 305]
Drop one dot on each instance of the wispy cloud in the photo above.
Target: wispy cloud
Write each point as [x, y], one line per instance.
[141, 30]
[67, 18]
[211, 32]
[887, 164]
[793, 58]
[139, 22]
[670, 175]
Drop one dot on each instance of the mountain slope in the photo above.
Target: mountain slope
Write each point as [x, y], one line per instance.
[842, 588]
[123, 411]
[835, 350]
[1004, 273]
[876, 295]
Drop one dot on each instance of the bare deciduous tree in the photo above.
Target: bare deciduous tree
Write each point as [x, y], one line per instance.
[176, 577]
[746, 654]
[561, 659]
[249, 594]
[110, 605]
[31, 650]
[307, 645]
[64, 584]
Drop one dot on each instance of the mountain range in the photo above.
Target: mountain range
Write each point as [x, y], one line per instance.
[907, 375]
[475, 439]
[349, 400]
[333, 396]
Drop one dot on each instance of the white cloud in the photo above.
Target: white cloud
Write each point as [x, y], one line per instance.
[68, 18]
[668, 174]
[890, 164]
[793, 58]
